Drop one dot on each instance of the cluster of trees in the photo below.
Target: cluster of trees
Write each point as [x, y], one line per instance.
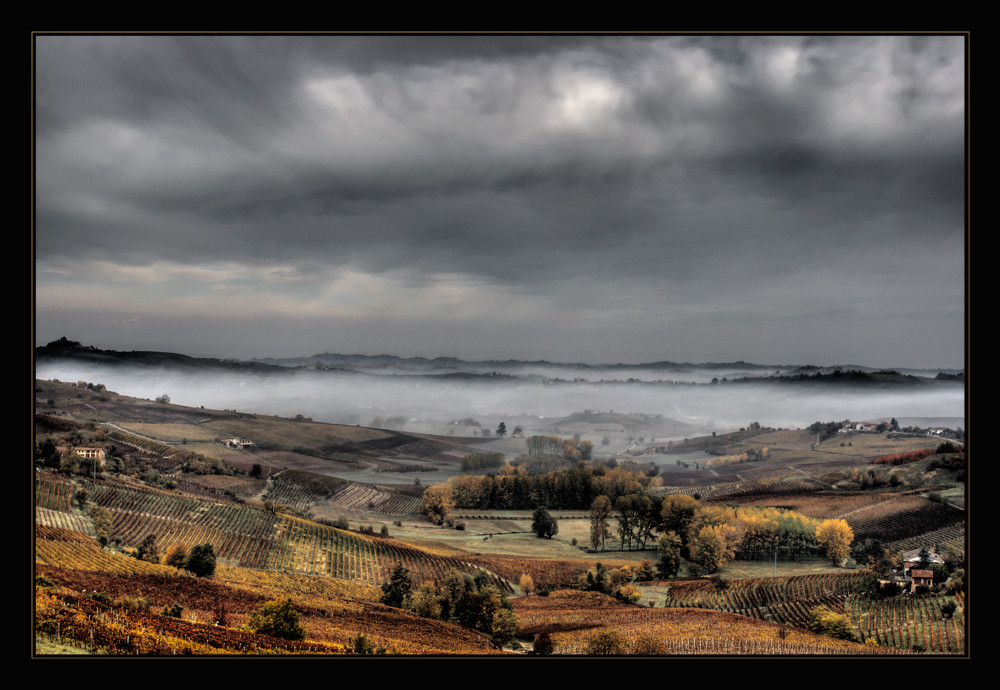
[513, 488]
[870, 478]
[199, 560]
[710, 536]
[477, 461]
[750, 455]
[616, 581]
[199, 464]
[955, 463]
[639, 515]
[572, 449]
[473, 602]
[826, 429]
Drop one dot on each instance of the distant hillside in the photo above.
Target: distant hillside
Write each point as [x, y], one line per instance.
[485, 371]
[68, 349]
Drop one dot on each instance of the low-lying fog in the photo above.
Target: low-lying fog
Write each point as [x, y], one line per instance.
[429, 403]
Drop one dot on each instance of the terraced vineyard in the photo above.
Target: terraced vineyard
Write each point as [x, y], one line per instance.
[904, 621]
[359, 497]
[901, 517]
[572, 617]
[950, 539]
[910, 622]
[781, 600]
[243, 535]
[53, 492]
[63, 520]
[751, 490]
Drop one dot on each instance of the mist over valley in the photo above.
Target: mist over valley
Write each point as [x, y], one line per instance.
[433, 395]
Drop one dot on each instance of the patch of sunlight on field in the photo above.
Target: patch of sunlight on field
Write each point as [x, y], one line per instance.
[217, 450]
[170, 433]
[875, 444]
[807, 566]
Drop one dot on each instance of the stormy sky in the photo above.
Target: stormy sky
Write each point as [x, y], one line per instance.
[774, 199]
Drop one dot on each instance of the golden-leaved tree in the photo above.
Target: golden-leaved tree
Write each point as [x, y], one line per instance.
[835, 537]
[438, 502]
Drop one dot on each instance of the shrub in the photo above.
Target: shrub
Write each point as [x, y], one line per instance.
[720, 582]
[543, 644]
[361, 645]
[147, 550]
[201, 560]
[177, 556]
[826, 622]
[526, 583]
[277, 618]
[503, 628]
[605, 643]
[173, 611]
[629, 594]
[137, 603]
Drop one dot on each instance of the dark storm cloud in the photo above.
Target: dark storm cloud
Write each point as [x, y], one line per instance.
[679, 168]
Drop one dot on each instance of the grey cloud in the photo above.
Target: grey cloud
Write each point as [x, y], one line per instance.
[698, 166]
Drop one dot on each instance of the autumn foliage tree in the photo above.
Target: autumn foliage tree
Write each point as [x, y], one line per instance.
[677, 513]
[176, 556]
[713, 546]
[526, 583]
[438, 502]
[600, 530]
[834, 537]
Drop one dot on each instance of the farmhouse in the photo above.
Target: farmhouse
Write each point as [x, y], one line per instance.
[237, 443]
[920, 577]
[912, 558]
[85, 453]
[941, 431]
[870, 427]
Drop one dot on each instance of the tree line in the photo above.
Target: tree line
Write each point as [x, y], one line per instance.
[570, 488]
